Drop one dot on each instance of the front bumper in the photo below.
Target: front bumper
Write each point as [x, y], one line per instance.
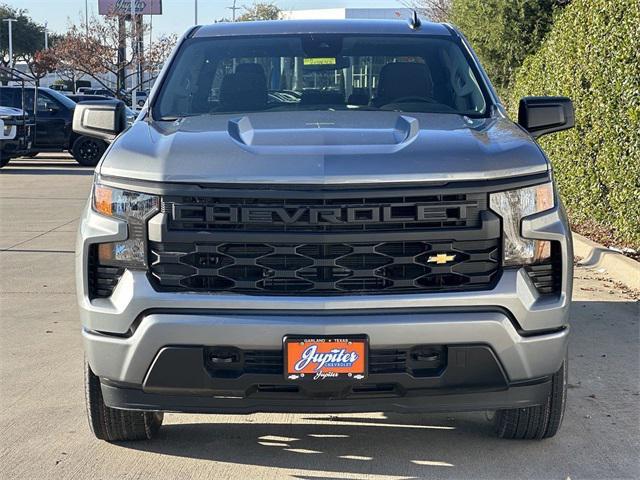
[127, 359]
[526, 332]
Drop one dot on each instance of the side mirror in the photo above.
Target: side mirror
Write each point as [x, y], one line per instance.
[542, 115]
[103, 119]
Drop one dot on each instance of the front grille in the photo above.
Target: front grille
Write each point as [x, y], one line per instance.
[388, 361]
[327, 242]
[102, 279]
[263, 361]
[325, 269]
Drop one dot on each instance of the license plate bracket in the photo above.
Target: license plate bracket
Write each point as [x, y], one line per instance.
[325, 357]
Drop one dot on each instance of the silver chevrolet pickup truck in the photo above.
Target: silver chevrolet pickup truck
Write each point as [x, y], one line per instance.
[324, 216]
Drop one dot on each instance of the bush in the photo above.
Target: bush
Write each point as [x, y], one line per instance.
[503, 32]
[592, 55]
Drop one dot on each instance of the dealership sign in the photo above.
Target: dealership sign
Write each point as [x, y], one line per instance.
[123, 7]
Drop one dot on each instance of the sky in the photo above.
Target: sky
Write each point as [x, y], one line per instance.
[177, 15]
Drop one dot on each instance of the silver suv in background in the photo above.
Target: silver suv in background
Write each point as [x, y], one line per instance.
[324, 216]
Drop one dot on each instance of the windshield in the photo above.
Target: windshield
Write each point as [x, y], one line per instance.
[320, 72]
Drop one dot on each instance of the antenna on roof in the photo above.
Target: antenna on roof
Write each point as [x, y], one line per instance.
[414, 21]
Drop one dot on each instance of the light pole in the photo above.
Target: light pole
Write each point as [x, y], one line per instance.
[233, 9]
[86, 17]
[134, 90]
[10, 22]
[195, 5]
[46, 37]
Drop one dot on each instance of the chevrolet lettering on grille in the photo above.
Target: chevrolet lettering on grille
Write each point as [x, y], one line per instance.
[303, 215]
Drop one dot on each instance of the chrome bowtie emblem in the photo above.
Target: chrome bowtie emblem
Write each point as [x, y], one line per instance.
[441, 258]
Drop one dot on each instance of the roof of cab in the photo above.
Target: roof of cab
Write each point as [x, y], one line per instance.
[353, 26]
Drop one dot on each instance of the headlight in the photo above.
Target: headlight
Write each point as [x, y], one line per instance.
[134, 207]
[513, 206]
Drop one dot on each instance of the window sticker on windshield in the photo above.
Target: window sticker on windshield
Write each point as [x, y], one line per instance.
[320, 61]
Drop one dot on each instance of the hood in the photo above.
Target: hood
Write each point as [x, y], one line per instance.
[10, 112]
[323, 148]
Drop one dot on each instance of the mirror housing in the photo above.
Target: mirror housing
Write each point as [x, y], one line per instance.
[103, 119]
[542, 115]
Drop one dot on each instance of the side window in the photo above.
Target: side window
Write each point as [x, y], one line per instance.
[43, 104]
[46, 104]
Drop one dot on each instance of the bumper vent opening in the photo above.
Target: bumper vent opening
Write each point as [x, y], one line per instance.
[102, 279]
[547, 277]
[418, 361]
[369, 388]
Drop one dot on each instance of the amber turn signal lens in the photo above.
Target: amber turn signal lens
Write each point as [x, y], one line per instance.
[103, 200]
[105, 253]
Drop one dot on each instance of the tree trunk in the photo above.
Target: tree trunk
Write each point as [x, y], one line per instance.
[122, 52]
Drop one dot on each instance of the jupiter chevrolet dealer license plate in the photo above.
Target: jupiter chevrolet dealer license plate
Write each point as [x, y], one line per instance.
[325, 358]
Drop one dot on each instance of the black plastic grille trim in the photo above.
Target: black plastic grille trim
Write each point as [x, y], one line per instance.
[349, 214]
[547, 277]
[102, 279]
[380, 361]
[324, 269]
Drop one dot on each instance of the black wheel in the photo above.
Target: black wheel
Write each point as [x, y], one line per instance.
[4, 161]
[113, 424]
[536, 423]
[87, 151]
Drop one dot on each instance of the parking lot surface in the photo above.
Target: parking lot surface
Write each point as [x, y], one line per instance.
[45, 433]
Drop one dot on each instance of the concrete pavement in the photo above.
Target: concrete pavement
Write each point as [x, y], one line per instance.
[45, 433]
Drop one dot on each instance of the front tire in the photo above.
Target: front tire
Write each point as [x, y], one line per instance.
[87, 150]
[113, 424]
[542, 421]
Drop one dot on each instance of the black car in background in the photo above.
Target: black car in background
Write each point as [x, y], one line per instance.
[53, 119]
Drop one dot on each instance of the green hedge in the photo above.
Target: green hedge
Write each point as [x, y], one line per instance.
[503, 32]
[592, 54]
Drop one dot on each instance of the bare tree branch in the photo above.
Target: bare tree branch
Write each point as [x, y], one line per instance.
[96, 55]
[434, 10]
